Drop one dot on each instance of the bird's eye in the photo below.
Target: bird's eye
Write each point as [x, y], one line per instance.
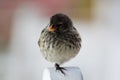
[60, 24]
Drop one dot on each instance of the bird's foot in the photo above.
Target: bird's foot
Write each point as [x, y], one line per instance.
[60, 68]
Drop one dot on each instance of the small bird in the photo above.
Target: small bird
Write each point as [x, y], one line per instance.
[59, 41]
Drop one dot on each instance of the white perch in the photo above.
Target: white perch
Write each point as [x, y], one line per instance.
[71, 73]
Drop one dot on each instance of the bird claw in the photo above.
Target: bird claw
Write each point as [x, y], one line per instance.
[61, 69]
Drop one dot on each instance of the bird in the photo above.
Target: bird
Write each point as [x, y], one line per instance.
[59, 41]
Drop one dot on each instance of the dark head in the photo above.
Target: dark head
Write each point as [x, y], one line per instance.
[60, 22]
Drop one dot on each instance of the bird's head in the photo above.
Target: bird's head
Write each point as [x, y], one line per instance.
[60, 23]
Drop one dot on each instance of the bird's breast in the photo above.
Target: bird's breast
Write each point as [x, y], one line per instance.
[58, 51]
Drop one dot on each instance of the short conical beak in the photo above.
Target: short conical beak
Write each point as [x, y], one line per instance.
[51, 28]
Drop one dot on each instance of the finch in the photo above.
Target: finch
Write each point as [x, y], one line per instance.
[59, 41]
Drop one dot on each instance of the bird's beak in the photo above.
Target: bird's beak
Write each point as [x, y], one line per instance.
[51, 28]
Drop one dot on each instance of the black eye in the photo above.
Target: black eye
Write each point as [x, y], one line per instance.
[60, 24]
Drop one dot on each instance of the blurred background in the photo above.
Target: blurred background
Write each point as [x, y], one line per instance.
[21, 22]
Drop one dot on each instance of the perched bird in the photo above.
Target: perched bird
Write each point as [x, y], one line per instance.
[59, 41]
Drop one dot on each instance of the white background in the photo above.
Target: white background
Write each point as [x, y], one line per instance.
[99, 58]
